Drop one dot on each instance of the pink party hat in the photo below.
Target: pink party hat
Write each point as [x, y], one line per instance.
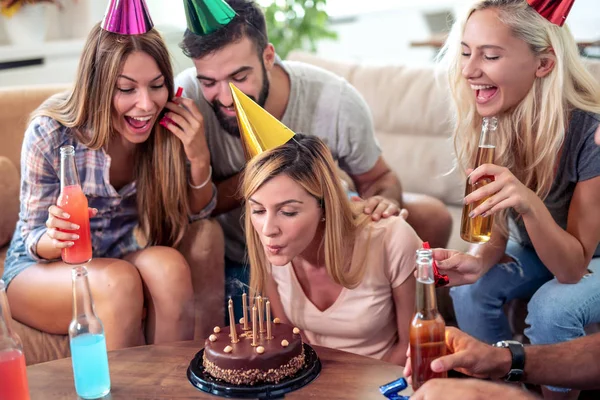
[127, 17]
[555, 11]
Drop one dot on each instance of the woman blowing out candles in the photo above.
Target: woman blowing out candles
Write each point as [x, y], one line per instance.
[134, 173]
[346, 281]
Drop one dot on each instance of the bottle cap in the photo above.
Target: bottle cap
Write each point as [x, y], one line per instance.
[490, 123]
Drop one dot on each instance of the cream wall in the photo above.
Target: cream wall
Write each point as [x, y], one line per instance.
[384, 34]
[374, 31]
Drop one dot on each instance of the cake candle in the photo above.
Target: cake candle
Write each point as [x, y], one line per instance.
[254, 330]
[261, 314]
[245, 309]
[233, 331]
[268, 306]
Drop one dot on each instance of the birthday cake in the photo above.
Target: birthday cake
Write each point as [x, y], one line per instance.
[249, 361]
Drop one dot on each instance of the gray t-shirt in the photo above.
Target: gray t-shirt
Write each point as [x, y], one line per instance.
[320, 104]
[580, 161]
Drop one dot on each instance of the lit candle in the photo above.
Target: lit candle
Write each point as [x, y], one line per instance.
[254, 330]
[268, 306]
[245, 307]
[261, 314]
[233, 332]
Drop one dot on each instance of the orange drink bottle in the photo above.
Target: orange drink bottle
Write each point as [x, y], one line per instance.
[13, 375]
[479, 229]
[73, 202]
[427, 328]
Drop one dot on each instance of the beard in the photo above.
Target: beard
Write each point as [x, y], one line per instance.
[230, 124]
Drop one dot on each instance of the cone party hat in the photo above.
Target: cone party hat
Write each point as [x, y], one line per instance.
[127, 17]
[259, 130]
[206, 16]
[555, 11]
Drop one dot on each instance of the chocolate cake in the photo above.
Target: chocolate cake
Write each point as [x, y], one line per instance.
[241, 363]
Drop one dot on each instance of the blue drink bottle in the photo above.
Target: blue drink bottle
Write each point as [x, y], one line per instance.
[88, 346]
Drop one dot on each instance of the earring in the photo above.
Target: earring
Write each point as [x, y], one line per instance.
[323, 219]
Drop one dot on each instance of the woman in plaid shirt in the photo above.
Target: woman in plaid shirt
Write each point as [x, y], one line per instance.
[135, 173]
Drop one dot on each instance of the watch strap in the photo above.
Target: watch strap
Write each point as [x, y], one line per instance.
[517, 367]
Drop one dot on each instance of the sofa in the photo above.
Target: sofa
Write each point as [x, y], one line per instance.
[203, 245]
[412, 120]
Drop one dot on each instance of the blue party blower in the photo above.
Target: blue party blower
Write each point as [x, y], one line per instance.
[390, 390]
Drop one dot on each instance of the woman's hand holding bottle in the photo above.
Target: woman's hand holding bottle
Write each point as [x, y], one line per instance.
[60, 228]
[506, 191]
[59, 233]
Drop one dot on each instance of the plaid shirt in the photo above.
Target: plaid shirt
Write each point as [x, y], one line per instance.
[112, 228]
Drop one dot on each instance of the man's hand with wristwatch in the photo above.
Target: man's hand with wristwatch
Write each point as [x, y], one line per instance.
[471, 357]
[517, 365]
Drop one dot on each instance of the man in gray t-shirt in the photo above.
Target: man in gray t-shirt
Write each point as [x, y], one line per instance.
[308, 100]
[319, 103]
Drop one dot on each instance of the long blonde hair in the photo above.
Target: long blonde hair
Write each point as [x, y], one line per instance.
[529, 136]
[160, 169]
[307, 161]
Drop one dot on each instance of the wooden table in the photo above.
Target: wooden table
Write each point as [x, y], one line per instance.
[159, 371]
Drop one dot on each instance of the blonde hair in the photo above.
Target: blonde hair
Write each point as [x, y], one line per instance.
[307, 161]
[160, 164]
[529, 136]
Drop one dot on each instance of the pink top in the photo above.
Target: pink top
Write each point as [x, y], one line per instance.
[361, 320]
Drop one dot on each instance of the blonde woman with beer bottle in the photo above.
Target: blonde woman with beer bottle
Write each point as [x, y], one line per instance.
[513, 59]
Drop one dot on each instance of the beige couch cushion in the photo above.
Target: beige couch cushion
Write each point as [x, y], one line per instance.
[39, 346]
[412, 121]
[9, 199]
[16, 104]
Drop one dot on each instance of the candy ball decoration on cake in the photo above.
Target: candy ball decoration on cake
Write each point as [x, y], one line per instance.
[251, 355]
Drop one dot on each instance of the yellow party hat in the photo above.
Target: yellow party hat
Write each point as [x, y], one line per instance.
[259, 130]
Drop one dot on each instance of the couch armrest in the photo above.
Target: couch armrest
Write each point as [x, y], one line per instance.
[40, 346]
[204, 249]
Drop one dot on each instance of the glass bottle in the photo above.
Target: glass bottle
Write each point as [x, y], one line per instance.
[88, 346]
[13, 374]
[427, 329]
[479, 229]
[72, 201]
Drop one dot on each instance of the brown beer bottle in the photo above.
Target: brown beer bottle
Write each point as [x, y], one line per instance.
[479, 229]
[427, 328]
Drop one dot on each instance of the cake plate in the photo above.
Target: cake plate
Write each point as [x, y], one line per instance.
[201, 380]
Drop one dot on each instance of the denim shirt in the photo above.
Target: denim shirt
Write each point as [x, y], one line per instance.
[112, 228]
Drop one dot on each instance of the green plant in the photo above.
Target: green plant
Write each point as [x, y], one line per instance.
[8, 8]
[297, 24]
